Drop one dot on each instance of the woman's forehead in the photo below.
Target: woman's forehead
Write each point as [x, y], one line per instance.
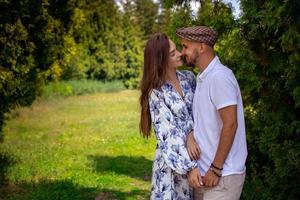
[172, 45]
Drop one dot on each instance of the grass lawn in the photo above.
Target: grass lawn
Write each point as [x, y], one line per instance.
[78, 147]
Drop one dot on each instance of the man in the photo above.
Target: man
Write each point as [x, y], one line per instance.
[219, 126]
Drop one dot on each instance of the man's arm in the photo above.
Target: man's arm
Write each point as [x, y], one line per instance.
[229, 118]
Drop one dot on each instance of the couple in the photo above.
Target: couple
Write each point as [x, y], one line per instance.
[198, 122]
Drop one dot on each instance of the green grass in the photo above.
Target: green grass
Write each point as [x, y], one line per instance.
[78, 147]
[79, 87]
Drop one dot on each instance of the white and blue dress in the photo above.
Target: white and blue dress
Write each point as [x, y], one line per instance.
[172, 120]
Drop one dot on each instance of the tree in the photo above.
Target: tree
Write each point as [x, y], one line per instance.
[271, 30]
[102, 35]
[217, 15]
[132, 46]
[147, 14]
[179, 17]
[31, 35]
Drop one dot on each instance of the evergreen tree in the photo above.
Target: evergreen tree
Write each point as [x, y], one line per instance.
[31, 35]
[132, 46]
[272, 32]
[102, 35]
[147, 15]
[179, 17]
[216, 15]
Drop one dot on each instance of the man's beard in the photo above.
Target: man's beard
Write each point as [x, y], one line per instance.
[188, 64]
[193, 60]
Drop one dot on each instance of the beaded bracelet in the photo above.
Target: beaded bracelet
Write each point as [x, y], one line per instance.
[218, 175]
[213, 166]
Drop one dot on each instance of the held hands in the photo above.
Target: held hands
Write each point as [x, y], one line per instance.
[210, 179]
[212, 176]
[194, 178]
[193, 147]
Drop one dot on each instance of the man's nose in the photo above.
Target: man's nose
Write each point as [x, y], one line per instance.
[182, 52]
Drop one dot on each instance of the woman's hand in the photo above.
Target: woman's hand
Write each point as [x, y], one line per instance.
[192, 147]
[194, 178]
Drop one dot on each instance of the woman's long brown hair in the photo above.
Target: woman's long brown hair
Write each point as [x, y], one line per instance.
[156, 56]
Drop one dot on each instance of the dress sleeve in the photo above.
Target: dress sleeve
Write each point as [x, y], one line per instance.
[170, 136]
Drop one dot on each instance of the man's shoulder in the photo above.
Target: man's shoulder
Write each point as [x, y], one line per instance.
[221, 69]
[222, 72]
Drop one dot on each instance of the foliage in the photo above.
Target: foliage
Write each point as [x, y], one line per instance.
[179, 17]
[147, 14]
[132, 46]
[31, 35]
[51, 40]
[101, 34]
[217, 15]
[272, 33]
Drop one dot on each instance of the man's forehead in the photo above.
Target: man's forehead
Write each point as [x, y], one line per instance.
[188, 42]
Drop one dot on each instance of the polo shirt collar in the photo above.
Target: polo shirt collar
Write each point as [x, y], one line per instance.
[209, 68]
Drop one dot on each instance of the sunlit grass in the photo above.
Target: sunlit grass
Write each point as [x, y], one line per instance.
[80, 87]
[79, 147]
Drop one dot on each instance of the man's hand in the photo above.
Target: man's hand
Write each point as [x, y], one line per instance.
[193, 147]
[194, 178]
[210, 179]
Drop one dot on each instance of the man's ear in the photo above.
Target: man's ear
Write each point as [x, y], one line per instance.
[202, 48]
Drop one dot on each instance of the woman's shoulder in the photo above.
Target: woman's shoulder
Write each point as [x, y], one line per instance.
[155, 93]
[161, 92]
[186, 74]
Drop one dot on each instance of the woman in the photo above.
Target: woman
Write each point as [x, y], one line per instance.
[166, 103]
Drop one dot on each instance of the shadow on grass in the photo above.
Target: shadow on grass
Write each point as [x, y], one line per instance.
[6, 162]
[46, 190]
[117, 195]
[64, 190]
[135, 167]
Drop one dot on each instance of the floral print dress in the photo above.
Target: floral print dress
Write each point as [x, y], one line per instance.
[171, 116]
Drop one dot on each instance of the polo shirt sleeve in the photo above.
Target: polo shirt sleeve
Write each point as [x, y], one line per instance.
[223, 90]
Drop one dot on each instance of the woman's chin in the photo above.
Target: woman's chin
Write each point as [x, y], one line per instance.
[180, 64]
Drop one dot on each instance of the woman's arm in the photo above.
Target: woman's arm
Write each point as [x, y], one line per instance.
[170, 136]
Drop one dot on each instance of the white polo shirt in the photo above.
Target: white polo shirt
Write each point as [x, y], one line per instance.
[217, 88]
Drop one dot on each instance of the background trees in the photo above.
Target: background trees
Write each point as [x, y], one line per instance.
[31, 43]
[271, 32]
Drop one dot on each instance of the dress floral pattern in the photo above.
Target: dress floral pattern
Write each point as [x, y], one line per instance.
[171, 116]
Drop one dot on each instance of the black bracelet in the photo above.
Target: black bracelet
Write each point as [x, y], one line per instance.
[218, 175]
[212, 165]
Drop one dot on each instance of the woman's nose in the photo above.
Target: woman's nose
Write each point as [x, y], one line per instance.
[179, 53]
